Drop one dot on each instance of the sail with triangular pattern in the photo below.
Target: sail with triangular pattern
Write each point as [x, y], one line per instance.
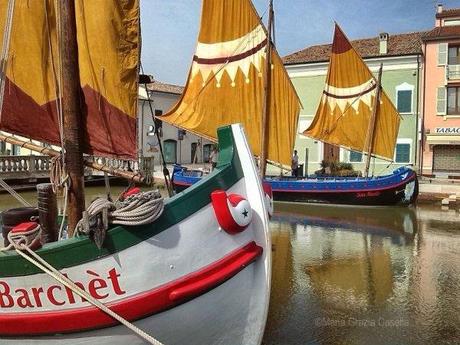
[345, 108]
[226, 81]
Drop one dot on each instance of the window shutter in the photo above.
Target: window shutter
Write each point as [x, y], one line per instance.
[404, 101]
[441, 101]
[442, 54]
[402, 153]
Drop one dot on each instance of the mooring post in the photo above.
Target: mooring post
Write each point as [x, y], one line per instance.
[47, 212]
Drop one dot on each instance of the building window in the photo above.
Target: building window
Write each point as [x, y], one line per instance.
[170, 151]
[451, 22]
[402, 153]
[207, 148]
[356, 157]
[405, 101]
[404, 94]
[454, 55]
[194, 153]
[453, 100]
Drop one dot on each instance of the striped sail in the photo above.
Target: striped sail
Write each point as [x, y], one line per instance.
[108, 55]
[226, 81]
[345, 108]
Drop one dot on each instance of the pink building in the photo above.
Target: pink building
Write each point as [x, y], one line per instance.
[441, 96]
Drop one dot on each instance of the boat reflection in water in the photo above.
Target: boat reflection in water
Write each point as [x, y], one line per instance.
[397, 223]
[334, 266]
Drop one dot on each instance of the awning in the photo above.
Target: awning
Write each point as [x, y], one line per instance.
[436, 139]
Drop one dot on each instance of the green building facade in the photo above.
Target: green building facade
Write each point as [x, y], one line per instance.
[401, 58]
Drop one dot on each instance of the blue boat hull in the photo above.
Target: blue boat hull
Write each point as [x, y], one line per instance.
[398, 188]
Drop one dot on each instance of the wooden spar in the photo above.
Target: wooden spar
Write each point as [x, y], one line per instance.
[71, 112]
[373, 121]
[53, 153]
[267, 94]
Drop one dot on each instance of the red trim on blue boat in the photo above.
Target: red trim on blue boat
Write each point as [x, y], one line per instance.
[179, 183]
[134, 307]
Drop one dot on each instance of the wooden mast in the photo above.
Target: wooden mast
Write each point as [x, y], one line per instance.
[267, 92]
[71, 112]
[372, 122]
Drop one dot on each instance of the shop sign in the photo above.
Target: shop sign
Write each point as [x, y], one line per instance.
[447, 130]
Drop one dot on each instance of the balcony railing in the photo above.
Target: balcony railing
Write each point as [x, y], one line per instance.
[453, 72]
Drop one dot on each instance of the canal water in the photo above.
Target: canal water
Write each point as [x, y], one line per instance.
[349, 275]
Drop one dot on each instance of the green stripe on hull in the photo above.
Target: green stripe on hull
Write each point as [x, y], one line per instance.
[76, 251]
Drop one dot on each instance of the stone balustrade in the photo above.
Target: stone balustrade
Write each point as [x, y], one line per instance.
[32, 167]
[24, 167]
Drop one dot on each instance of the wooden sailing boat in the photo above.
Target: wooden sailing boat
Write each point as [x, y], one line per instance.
[345, 117]
[354, 113]
[237, 75]
[144, 274]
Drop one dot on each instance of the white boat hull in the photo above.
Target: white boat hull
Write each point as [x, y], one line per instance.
[232, 312]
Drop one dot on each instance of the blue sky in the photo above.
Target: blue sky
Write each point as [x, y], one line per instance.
[170, 27]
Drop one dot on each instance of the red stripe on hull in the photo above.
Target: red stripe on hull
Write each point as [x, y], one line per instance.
[134, 307]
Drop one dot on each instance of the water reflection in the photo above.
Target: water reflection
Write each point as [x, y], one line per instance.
[348, 275]
[364, 276]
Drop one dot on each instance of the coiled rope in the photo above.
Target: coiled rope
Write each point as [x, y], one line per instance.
[138, 209]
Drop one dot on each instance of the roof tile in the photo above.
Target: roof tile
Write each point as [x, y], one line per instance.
[453, 12]
[441, 32]
[157, 86]
[400, 44]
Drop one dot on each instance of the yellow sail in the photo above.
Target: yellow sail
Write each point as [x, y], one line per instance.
[108, 55]
[346, 105]
[226, 81]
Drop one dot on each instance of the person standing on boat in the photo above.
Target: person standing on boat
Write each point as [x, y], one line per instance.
[295, 164]
[213, 157]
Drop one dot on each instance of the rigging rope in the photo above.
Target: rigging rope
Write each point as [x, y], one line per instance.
[57, 76]
[5, 51]
[60, 181]
[157, 133]
[15, 194]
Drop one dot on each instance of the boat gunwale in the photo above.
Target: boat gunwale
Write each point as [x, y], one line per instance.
[324, 185]
[80, 250]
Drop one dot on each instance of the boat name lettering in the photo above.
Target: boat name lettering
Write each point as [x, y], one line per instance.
[97, 286]
[366, 194]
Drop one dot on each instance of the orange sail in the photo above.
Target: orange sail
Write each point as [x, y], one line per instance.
[346, 105]
[226, 81]
[108, 55]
